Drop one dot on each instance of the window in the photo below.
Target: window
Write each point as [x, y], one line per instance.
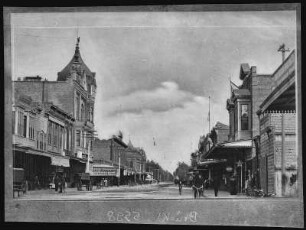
[60, 136]
[55, 134]
[13, 122]
[24, 126]
[20, 123]
[49, 132]
[78, 107]
[31, 128]
[78, 138]
[244, 117]
[41, 141]
[82, 112]
[67, 138]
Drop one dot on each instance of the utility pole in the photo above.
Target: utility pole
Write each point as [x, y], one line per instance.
[208, 114]
[283, 50]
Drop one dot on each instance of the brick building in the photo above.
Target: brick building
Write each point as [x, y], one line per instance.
[278, 152]
[74, 93]
[136, 160]
[111, 152]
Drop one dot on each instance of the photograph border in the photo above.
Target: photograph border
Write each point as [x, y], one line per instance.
[279, 212]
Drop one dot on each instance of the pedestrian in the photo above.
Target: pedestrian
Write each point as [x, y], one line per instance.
[36, 183]
[180, 184]
[56, 180]
[216, 183]
[197, 184]
[60, 184]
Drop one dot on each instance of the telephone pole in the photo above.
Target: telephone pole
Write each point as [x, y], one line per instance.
[283, 50]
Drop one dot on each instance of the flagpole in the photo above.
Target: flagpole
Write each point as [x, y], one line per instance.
[209, 114]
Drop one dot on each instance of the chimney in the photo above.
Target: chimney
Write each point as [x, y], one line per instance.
[253, 69]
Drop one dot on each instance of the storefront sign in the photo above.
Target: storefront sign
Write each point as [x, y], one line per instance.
[99, 171]
[229, 169]
[60, 161]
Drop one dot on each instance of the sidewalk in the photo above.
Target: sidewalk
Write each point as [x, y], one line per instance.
[127, 188]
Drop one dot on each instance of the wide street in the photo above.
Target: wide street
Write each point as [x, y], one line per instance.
[153, 191]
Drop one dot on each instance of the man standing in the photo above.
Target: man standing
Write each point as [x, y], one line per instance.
[197, 184]
[216, 183]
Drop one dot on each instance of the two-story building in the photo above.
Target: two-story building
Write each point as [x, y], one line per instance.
[40, 139]
[136, 161]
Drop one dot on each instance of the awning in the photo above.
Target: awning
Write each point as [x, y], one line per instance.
[211, 161]
[60, 161]
[229, 148]
[237, 144]
[103, 170]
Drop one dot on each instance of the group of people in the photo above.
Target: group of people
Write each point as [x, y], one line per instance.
[199, 183]
[60, 183]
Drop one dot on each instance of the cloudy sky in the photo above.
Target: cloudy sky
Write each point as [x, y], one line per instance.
[154, 70]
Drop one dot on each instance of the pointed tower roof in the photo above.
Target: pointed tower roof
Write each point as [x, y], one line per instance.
[76, 65]
[130, 144]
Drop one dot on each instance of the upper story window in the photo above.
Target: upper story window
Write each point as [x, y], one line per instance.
[31, 128]
[78, 107]
[82, 112]
[13, 121]
[41, 141]
[244, 117]
[49, 132]
[78, 138]
[55, 135]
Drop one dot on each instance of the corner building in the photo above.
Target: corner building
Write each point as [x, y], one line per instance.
[74, 92]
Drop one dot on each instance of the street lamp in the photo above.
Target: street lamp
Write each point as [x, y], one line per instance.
[239, 164]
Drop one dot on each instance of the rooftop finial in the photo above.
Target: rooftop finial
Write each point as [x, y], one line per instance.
[77, 50]
[282, 48]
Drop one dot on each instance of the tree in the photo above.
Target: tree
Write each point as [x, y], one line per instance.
[181, 171]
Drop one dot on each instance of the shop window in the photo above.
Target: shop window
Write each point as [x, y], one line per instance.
[244, 117]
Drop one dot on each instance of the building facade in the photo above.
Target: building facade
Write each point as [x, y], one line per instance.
[40, 140]
[73, 92]
[277, 123]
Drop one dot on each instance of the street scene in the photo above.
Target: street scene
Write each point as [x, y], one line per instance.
[119, 106]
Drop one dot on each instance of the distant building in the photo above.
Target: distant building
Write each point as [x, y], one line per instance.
[111, 152]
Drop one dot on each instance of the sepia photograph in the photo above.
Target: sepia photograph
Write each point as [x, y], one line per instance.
[179, 114]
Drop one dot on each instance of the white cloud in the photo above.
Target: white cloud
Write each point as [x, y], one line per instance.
[176, 131]
[167, 96]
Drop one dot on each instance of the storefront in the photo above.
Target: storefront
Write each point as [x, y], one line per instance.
[103, 174]
[60, 165]
[77, 165]
[34, 163]
[235, 169]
